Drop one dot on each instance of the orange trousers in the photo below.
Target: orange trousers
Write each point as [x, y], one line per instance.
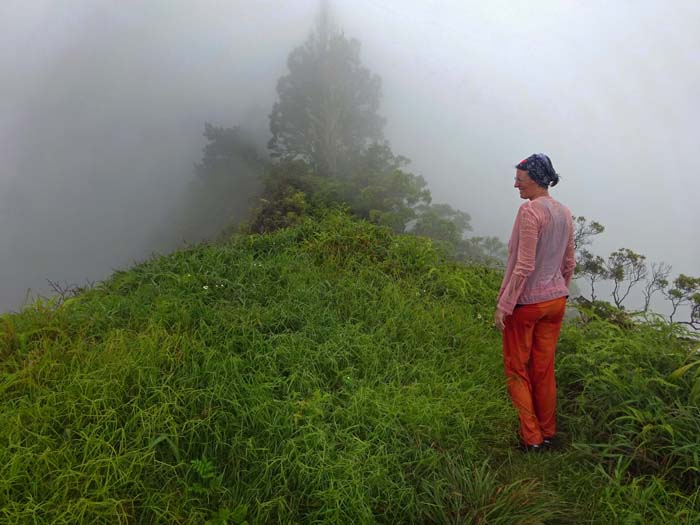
[529, 343]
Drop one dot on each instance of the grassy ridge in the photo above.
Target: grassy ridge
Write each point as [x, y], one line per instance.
[330, 372]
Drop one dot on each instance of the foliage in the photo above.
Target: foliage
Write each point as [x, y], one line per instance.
[381, 190]
[590, 310]
[284, 199]
[630, 410]
[328, 372]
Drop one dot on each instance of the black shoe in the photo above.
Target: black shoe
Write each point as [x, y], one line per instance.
[549, 442]
[532, 448]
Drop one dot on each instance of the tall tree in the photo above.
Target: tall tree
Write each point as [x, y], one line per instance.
[328, 102]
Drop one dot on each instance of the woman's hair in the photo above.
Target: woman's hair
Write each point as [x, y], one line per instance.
[540, 169]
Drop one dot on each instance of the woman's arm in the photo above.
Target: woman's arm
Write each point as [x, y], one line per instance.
[528, 233]
[568, 264]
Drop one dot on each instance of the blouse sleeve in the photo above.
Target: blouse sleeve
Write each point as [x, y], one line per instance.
[528, 233]
[568, 264]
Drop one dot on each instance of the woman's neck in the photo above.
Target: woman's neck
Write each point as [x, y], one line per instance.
[544, 192]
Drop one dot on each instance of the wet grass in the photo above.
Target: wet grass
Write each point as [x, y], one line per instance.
[330, 372]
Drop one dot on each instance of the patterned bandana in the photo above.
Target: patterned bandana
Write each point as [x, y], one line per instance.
[540, 169]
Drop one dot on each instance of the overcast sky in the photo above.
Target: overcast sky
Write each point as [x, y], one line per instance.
[104, 102]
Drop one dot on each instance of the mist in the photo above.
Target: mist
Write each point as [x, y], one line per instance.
[104, 106]
[102, 124]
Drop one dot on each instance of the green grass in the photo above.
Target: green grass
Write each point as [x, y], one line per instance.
[330, 372]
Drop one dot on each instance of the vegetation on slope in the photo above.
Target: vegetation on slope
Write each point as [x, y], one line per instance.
[328, 372]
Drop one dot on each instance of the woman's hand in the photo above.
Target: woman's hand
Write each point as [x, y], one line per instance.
[499, 320]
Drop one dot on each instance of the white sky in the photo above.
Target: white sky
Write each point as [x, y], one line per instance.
[611, 94]
[104, 104]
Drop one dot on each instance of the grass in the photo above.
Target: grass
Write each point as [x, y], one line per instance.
[329, 372]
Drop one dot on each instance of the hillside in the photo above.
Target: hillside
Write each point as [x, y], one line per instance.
[329, 372]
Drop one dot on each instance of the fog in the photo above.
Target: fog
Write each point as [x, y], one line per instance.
[103, 108]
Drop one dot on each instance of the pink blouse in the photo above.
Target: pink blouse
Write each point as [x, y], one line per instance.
[540, 255]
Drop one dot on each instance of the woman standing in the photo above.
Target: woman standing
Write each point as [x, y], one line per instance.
[532, 299]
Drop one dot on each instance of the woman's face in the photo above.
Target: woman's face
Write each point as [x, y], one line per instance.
[527, 187]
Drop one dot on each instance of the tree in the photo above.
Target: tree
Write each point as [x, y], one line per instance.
[442, 222]
[227, 179]
[587, 265]
[284, 199]
[326, 118]
[695, 312]
[493, 247]
[685, 291]
[591, 267]
[658, 281]
[490, 251]
[626, 268]
[328, 103]
[584, 230]
[379, 188]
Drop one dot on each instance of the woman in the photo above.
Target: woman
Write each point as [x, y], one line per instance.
[532, 299]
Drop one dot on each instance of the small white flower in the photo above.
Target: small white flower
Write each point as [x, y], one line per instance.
[205, 287]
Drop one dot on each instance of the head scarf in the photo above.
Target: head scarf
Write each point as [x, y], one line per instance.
[540, 169]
